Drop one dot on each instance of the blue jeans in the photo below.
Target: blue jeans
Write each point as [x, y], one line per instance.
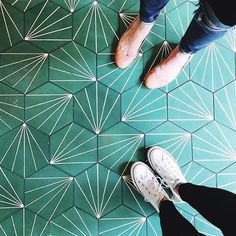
[204, 28]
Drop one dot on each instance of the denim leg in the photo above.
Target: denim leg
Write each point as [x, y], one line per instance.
[150, 9]
[204, 29]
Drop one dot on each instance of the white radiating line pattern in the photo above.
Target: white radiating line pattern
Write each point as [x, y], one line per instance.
[72, 4]
[11, 28]
[48, 196]
[174, 4]
[24, 5]
[96, 22]
[191, 106]
[213, 67]
[156, 35]
[140, 206]
[206, 228]
[116, 223]
[97, 107]
[74, 222]
[225, 105]
[31, 224]
[118, 5]
[151, 108]
[119, 150]
[11, 109]
[229, 39]
[24, 70]
[25, 154]
[214, 144]
[118, 79]
[9, 197]
[199, 175]
[226, 179]
[99, 189]
[73, 145]
[178, 20]
[46, 111]
[152, 226]
[52, 27]
[70, 68]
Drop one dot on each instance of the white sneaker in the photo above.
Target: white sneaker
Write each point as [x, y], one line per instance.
[165, 72]
[147, 184]
[167, 168]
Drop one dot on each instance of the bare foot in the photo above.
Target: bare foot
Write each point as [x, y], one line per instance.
[164, 73]
[130, 43]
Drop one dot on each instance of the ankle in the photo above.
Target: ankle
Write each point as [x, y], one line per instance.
[176, 189]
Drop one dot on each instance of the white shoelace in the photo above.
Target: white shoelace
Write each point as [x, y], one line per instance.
[157, 188]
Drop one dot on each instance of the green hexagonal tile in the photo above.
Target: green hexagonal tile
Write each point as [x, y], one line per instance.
[97, 107]
[24, 67]
[226, 179]
[156, 35]
[118, 79]
[48, 26]
[133, 199]
[73, 149]
[122, 221]
[177, 21]
[144, 109]
[11, 25]
[213, 67]
[11, 193]
[119, 146]
[224, 105]
[190, 106]
[11, 108]
[72, 67]
[74, 222]
[156, 55]
[25, 223]
[98, 191]
[49, 108]
[214, 146]
[49, 192]
[74, 5]
[96, 26]
[24, 150]
[174, 140]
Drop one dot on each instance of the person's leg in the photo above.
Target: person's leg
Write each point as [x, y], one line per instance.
[173, 223]
[147, 184]
[218, 206]
[204, 29]
[131, 41]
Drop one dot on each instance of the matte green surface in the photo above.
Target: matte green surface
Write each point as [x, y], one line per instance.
[72, 123]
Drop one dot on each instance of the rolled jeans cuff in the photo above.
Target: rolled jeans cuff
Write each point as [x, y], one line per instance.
[204, 29]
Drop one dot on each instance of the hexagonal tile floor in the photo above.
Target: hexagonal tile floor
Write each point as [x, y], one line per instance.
[71, 122]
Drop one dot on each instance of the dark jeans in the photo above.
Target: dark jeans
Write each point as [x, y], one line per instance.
[216, 205]
[204, 28]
